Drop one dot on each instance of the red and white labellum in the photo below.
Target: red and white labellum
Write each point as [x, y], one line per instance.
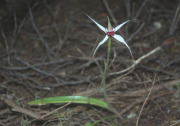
[110, 32]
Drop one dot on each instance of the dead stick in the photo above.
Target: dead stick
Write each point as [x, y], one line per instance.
[110, 12]
[20, 109]
[153, 82]
[141, 92]
[136, 62]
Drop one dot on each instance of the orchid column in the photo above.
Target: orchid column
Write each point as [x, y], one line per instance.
[110, 32]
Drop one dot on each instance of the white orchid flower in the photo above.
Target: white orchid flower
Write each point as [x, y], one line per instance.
[110, 31]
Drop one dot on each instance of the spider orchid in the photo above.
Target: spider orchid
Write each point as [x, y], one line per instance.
[110, 32]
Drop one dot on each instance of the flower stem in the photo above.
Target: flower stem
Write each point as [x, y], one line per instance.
[105, 70]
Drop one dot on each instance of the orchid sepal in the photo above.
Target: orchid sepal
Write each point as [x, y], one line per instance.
[100, 26]
[121, 39]
[100, 43]
[109, 23]
[119, 26]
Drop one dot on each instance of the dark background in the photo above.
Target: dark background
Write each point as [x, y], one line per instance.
[46, 50]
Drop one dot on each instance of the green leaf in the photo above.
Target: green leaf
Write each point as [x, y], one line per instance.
[98, 121]
[70, 99]
[88, 124]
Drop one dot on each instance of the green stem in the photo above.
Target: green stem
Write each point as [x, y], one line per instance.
[105, 70]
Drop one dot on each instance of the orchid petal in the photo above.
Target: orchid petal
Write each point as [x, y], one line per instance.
[103, 41]
[120, 39]
[119, 26]
[100, 26]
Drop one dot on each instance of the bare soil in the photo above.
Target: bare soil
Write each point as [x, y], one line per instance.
[46, 50]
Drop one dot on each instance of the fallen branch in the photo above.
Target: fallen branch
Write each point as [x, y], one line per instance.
[110, 12]
[136, 62]
[20, 109]
[142, 92]
[137, 122]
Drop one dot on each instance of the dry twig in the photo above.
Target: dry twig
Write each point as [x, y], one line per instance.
[136, 62]
[110, 12]
[175, 20]
[38, 32]
[153, 82]
[20, 109]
